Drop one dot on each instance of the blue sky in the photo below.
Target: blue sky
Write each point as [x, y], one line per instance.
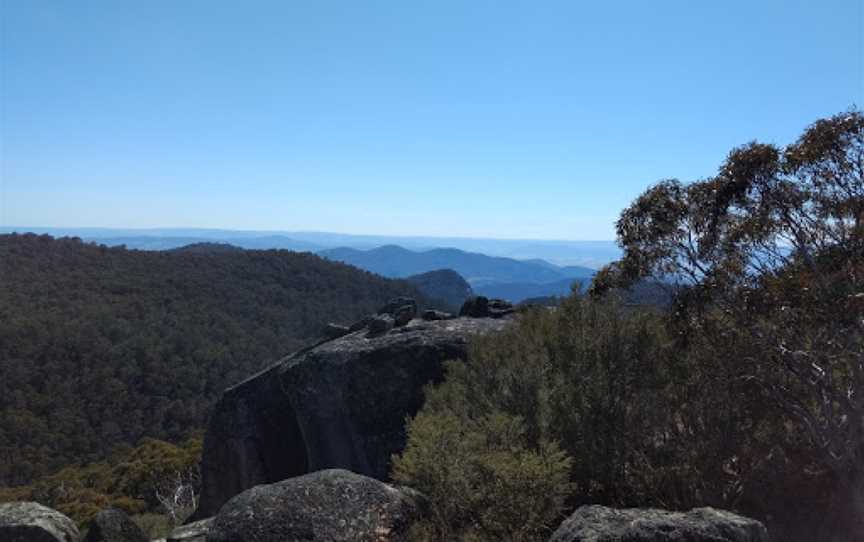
[449, 118]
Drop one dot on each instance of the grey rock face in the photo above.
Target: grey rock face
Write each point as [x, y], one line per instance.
[482, 307]
[191, 532]
[341, 404]
[381, 324]
[113, 525]
[436, 315]
[603, 524]
[359, 324]
[404, 314]
[331, 505]
[332, 331]
[396, 304]
[32, 522]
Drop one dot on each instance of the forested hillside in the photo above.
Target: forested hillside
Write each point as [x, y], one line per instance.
[100, 346]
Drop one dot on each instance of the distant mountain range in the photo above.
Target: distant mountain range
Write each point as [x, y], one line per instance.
[444, 285]
[592, 254]
[520, 291]
[509, 269]
[491, 276]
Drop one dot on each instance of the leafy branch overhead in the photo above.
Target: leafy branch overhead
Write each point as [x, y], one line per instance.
[772, 249]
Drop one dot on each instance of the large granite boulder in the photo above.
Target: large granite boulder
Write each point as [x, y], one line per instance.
[331, 505]
[404, 314]
[482, 307]
[339, 404]
[603, 524]
[113, 525]
[32, 522]
[394, 305]
[333, 331]
[380, 324]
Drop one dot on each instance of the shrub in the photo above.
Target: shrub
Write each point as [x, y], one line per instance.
[593, 402]
[131, 481]
[484, 479]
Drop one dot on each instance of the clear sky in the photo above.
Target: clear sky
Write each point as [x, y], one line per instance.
[454, 118]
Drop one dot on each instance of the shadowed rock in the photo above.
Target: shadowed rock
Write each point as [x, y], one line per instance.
[404, 314]
[359, 324]
[32, 522]
[602, 524]
[333, 331]
[331, 505]
[482, 307]
[380, 324]
[340, 404]
[432, 314]
[396, 304]
[113, 525]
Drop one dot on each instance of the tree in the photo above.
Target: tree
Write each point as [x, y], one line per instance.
[771, 249]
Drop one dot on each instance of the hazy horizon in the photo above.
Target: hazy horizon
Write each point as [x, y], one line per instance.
[29, 228]
[562, 252]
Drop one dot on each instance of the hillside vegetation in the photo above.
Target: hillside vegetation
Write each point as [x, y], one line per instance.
[747, 395]
[100, 347]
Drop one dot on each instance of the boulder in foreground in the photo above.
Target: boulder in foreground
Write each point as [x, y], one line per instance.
[603, 524]
[482, 307]
[32, 522]
[113, 525]
[332, 505]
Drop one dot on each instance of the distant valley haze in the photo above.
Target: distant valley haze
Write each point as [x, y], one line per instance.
[512, 269]
[593, 254]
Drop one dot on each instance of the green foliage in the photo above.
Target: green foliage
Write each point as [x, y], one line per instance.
[484, 478]
[128, 481]
[591, 386]
[769, 259]
[639, 417]
[101, 347]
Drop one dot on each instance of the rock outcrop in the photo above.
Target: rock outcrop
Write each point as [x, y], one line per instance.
[380, 324]
[482, 307]
[32, 522]
[603, 524]
[433, 314]
[339, 404]
[113, 525]
[334, 331]
[331, 505]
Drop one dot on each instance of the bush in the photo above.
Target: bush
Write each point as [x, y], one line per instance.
[492, 485]
[591, 403]
[131, 481]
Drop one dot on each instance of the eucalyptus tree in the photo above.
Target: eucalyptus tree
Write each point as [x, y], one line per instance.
[771, 249]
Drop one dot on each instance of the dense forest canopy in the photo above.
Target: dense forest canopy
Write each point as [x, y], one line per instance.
[100, 346]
